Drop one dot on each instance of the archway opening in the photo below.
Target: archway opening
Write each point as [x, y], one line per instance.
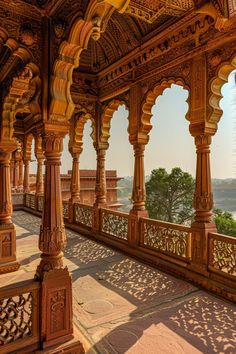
[170, 159]
[120, 162]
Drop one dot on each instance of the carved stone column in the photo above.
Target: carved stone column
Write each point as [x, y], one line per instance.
[7, 230]
[26, 176]
[75, 180]
[138, 195]
[52, 238]
[39, 177]
[100, 187]
[56, 318]
[21, 167]
[203, 199]
[139, 191]
[12, 163]
[75, 177]
[16, 175]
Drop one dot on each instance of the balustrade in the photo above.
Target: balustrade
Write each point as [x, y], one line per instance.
[114, 223]
[222, 254]
[19, 316]
[65, 209]
[83, 214]
[166, 237]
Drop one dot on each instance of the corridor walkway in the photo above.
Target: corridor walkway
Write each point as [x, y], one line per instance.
[124, 306]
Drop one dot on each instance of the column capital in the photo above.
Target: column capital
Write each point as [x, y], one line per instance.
[202, 130]
[75, 151]
[6, 148]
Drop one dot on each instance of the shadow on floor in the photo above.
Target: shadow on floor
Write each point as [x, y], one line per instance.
[153, 312]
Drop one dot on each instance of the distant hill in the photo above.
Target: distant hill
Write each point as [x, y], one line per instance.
[224, 191]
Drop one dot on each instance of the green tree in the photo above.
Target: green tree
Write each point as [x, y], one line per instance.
[170, 195]
[225, 222]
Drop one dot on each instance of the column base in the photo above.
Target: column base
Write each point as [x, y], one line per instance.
[8, 249]
[199, 246]
[56, 308]
[134, 215]
[9, 267]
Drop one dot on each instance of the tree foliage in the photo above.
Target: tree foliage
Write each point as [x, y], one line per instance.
[170, 195]
[225, 222]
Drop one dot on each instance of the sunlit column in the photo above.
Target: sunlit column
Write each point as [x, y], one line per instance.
[100, 188]
[16, 175]
[203, 196]
[26, 176]
[139, 191]
[39, 177]
[52, 238]
[75, 176]
[21, 166]
[7, 230]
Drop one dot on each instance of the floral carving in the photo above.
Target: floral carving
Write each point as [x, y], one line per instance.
[84, 214]
[114, 223]
[15, 318]
[168, 239]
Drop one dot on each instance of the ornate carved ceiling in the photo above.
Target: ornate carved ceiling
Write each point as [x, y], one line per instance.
[127, 31]
[150, 11]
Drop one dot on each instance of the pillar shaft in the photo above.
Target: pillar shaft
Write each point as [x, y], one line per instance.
[203, 197]
[139, 192]
[16, 175]
[52, 238]
[5, 191]
[100, 188]
[7, 230]
[75, 179]
[12, 163]
[21, 173]
[26, 176]
[39, 177]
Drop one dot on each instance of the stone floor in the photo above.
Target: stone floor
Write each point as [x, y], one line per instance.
[124, 306]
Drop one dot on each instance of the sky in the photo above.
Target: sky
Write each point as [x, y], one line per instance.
[170, 142]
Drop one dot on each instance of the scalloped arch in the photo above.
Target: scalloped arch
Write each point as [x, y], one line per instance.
[77, 129]
[150, 99]
[62, 106]
[106, 117]
[216, 85]
[27, 146]
[19, 87]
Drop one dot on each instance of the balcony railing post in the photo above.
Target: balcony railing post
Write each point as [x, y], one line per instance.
[56, 297]
[138, 195]
[75, 151]
[203, 199]
[7, 230]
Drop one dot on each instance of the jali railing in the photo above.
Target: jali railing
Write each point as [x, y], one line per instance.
[114, 223]
[65, 209]
[40, 202]
[83, 214]
[222, 254]
[164, 237]
[19, 316]
[30, 200]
